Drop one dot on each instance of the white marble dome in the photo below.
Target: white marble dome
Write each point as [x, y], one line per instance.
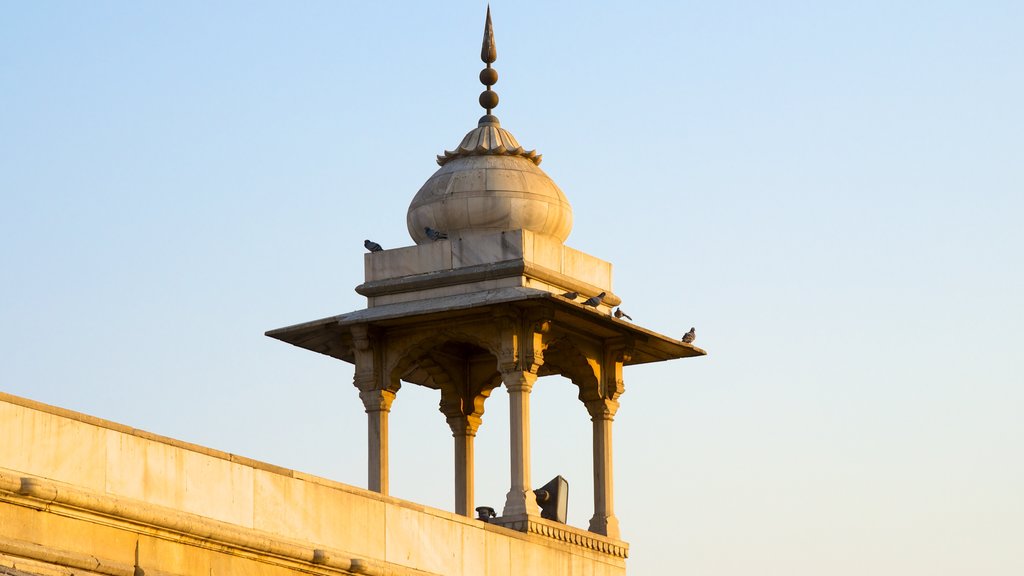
[489, 184]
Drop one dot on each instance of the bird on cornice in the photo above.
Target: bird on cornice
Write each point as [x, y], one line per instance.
[372, 246]
[690, 336]
[620, 314]
[594, 300]
[435, 235]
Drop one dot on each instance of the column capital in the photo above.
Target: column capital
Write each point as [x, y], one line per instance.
[377, 400]
[464, 425]
[602, 408]
[518, 380]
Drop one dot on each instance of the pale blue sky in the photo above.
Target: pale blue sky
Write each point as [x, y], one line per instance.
[832, 193]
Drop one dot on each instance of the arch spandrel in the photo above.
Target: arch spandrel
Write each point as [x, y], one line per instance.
[594, 367]
[563, 358]
[404, 352]
[467, 401]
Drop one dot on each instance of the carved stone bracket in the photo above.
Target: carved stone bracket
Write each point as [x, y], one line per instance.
[507, 322]
[616, 353]
[536, 328]
[368, 347]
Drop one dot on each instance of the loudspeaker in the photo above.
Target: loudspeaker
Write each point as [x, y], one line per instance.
[553, 499]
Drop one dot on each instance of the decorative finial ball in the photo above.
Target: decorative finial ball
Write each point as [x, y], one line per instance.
[488, 76]
[489, 99]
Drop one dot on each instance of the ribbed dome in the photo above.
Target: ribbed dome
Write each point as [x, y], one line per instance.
[489, 184]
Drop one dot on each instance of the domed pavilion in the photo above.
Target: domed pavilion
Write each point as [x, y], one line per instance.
[488, 296]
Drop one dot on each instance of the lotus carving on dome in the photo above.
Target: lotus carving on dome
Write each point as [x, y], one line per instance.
[489, 138]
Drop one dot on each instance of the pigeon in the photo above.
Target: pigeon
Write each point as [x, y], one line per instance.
[435, 235]
[594, 301]
[620, 314]
[690, 336]
[571, 295]
[372, 246]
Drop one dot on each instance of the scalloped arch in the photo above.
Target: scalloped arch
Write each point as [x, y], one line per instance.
[414, 352]
[563, 358]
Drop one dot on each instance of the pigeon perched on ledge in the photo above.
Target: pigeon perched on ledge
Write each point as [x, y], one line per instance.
[620, 314]
[571, 295]
[372, 246]
[690, 336]
[595, 300]
[435, 235]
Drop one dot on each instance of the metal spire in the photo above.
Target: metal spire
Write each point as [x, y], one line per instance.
[488, 76]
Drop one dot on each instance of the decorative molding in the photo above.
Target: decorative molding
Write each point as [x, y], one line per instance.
[480, 273]
[564, 533]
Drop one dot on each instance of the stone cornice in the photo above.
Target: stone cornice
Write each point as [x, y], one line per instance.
[480, 273]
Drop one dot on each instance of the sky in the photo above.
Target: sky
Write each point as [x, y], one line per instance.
[832, 193]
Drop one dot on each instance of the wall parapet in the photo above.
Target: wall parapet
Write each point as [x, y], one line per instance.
[155, 520]
[564, 533]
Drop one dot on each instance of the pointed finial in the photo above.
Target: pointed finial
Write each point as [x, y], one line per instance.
[488, 76]
[488, 53]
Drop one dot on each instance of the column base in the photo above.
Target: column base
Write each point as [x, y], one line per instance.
[605, 525]
[521, 504]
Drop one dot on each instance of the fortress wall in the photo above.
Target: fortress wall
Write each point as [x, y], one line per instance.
[83, 495]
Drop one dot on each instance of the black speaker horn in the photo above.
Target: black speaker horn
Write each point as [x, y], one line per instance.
[553, 499]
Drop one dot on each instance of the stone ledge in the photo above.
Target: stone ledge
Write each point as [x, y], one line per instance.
[563, 533]
[75, 563]
[144, 518]
[479, 273]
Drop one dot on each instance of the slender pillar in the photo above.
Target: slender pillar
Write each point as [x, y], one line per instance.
[602, 413]
[378, 405]
[520, 499]
[464, 431]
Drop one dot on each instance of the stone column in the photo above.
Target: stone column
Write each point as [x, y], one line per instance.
[464, 431]
[378, 405]
[520, 499]
[602, 413]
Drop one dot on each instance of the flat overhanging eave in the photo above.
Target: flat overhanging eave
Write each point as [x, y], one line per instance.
[332, 336]
[325, 336]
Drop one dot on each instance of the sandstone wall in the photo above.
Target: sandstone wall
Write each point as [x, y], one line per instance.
[81, 495]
